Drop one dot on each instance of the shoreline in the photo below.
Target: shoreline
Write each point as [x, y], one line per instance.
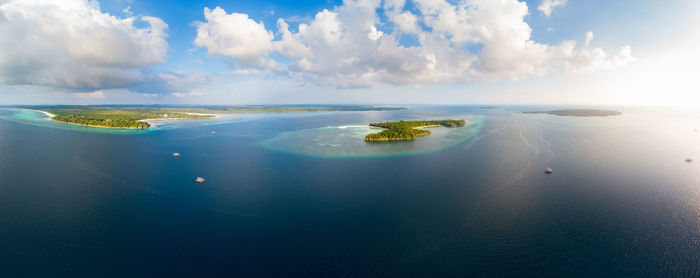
[396, 138]
[97, 126]
[148, 121]
[175, 119]
[355, 126]
[201, 114]
[46, 113]
[152, 123]
[418, 131]
[358, 126]
[51, 117]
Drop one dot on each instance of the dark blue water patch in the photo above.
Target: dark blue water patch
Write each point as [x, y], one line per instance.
[621, 201]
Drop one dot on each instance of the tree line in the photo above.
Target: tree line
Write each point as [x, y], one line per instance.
[407, 130]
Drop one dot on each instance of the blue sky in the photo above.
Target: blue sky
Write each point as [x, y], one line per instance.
[402, 52]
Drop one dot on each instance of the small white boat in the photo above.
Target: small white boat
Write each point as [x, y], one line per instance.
[199, 180]
[213, 132]
[176, 154]
[548, 170]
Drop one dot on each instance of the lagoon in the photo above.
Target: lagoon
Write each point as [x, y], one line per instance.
[473, 201]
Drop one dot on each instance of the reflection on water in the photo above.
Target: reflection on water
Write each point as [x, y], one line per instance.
[622, 200]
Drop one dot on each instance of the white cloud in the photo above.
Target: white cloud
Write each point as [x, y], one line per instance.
[127, 11]
[99, 94]
[548, 6]
[187, 94]
[174, 81]
[589, 38]
[245, 72]
[290, 46]
[344, 47]
[374, 34]
[236, 36]
[72, 44]
[149, 95]
[406, 21]
[296, 18]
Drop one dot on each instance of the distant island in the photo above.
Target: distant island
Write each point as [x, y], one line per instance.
[578, 112]
[407, 130]
[137, 117]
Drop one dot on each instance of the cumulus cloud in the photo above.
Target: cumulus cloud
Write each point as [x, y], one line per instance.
[547, 6]
[406, 21]
[236, 36]
[290, 46]
[72, 44]
[351, 46]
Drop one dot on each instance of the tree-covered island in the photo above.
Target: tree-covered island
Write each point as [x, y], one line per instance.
[407, 130]
[118, 118]
[137, 116]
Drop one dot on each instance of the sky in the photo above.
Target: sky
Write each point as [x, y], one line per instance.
[566, 52]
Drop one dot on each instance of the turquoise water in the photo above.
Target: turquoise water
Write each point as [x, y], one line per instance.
[347, 141]
[342, 141]
[291, 194]
[36, 118]
[39, 119]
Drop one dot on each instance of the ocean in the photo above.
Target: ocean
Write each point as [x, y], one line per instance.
[300, 194]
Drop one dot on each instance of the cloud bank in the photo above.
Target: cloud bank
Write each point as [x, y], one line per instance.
[72, 44]
[358, 44]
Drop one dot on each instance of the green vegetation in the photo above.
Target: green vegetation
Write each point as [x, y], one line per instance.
[407, 130]
[579, 112]
[278, 108]
[217, 109]
[121, 116]
[116, 117]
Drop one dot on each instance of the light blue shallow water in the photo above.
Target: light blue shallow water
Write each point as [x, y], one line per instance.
[347, 141]
[622, 200]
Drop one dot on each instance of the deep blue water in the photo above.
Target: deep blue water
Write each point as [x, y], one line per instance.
[622, 200]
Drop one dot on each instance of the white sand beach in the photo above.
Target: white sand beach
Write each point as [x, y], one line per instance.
[352, 126]
[46, 113]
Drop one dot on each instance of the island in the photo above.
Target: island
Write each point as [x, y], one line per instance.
[578, 112]
[106, 117]
[407, 130]
[138, 117]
